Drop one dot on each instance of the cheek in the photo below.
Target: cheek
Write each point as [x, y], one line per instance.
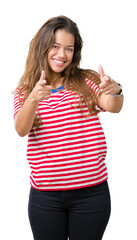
[51, 53]
[71, 59]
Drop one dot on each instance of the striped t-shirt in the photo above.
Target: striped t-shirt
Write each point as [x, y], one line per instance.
[68, 150]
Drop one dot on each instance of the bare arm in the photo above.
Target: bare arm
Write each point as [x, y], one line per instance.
[25, 117]
[107, 87]
[110, 103]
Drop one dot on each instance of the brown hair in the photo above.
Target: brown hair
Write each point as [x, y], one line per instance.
[73, 76]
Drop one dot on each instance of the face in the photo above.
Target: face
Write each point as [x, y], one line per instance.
[61, 53]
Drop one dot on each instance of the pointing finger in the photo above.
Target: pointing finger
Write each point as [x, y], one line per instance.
[42, 82]
[106, 78]
[43, 75]
[101, 71]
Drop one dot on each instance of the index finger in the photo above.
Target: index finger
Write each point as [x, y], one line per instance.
[42, 82]
[43, 75]
[101, 71]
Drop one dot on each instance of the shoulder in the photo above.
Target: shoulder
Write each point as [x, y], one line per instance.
[93, 85]
[90, 75]
[19, 91]
[94, 77]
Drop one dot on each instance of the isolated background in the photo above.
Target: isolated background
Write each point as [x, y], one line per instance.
[108, 29]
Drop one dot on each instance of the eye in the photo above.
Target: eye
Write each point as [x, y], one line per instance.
[55, 46]
[69, 49]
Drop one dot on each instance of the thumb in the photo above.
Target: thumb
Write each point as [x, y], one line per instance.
[101, 72]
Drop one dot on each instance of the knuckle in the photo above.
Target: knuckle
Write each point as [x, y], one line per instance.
[40, 93]
[48, 87]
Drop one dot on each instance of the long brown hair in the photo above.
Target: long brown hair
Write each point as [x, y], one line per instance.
[73, 76]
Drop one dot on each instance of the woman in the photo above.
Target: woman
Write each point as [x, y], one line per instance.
[56, 104]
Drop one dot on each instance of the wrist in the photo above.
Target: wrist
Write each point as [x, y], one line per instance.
[32, 99]
[118, 92]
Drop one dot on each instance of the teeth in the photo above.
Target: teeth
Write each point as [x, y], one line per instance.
[57, 61]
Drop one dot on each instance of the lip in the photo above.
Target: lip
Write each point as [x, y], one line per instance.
[58, 61]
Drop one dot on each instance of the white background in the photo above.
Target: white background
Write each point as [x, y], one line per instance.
[108, 29]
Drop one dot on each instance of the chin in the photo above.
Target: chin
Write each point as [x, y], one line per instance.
[58, 70]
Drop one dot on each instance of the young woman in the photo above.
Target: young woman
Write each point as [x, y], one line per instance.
[57, 103]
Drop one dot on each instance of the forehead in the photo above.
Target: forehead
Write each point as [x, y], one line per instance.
[63, 37]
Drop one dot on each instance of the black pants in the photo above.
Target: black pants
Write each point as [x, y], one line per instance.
[80, 214]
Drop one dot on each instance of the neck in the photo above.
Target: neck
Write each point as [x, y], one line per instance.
[57, 79]
[57, 85]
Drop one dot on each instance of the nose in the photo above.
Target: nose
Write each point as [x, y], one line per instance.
[61, 53]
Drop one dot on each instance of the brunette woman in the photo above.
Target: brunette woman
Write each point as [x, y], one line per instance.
[57, 105]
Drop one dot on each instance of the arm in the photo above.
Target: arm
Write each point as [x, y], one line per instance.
[25, 117]
[105, 99]
[110, 103]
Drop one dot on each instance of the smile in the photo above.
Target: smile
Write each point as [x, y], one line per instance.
[58, 61]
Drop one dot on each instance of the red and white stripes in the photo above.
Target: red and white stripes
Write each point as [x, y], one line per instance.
[68, 150]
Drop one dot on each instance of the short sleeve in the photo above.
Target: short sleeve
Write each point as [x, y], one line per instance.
[17, 101]
[96, 90]
[93, 85]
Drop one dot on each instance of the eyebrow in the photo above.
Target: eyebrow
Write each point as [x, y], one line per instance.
[67, 45]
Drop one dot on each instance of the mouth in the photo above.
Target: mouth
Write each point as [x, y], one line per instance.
[58, 62]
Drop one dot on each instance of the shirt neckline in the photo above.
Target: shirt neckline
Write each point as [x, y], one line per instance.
[57, 89]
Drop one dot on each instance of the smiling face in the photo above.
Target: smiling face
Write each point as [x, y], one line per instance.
[61, 53]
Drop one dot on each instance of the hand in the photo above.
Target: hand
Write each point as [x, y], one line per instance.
[41, 91]
[107, 85]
